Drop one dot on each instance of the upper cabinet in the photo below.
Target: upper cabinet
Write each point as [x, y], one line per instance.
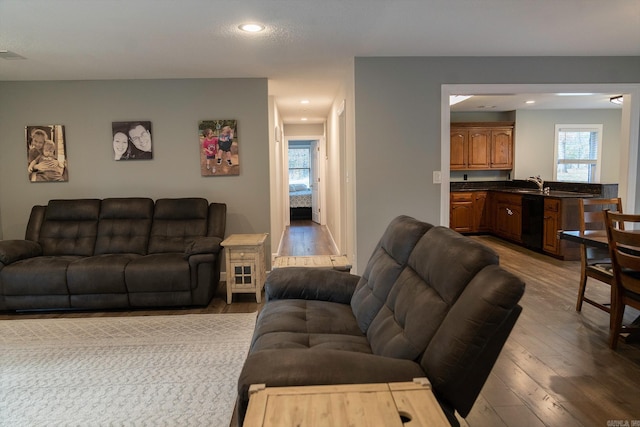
[482, 146]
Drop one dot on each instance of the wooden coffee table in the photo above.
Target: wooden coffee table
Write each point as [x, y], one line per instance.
[335, 262]
[389, 405]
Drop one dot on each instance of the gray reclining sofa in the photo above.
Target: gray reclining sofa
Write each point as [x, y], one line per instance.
[115, 253]
[430, 303]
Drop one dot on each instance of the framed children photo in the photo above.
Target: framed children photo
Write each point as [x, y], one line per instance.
[132, 140]
[218, 142]
[46, 153]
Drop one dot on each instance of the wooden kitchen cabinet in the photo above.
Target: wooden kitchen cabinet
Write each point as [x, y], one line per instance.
[560, 214]
[481, 146]
[469, 212]
[508, 217]
[459, 144]
[479, 149]
[551, 223]
[481, 212]
[502, 148]
[461, 212]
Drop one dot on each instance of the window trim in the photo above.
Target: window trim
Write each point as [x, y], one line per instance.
[586, 127]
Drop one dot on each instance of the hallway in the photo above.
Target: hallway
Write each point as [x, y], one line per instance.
[306, 238]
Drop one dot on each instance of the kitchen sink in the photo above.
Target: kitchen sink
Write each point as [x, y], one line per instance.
[527, 190]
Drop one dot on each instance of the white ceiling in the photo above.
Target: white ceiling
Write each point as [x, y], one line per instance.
[307, 47]
[541, 101]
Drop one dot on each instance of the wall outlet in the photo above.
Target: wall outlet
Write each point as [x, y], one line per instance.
[437, 177]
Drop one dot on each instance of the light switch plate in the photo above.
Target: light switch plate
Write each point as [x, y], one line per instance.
[437, 177]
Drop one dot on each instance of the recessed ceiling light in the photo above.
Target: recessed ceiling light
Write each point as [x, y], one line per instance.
[304, 119]
[304, 101]
[531, 101]
[251, 27]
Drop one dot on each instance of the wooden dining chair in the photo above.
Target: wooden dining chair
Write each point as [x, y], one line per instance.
[623, 234]
[595, 262]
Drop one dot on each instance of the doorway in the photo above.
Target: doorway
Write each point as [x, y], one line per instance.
[629, 132]
[304, 176]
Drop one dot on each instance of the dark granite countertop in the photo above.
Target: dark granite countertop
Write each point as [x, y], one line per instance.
[551, 193]
[557, 189]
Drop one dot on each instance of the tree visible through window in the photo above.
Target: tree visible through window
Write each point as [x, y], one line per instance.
[299, 165]
[577, 153]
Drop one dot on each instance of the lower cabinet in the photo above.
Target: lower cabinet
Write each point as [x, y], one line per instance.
[560, 214]
[461, 212]
[481, 211]
[508, 217]
[500, 213]
[551, 225]
[469, 212]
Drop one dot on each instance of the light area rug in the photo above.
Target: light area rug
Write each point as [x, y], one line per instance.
[178, 370]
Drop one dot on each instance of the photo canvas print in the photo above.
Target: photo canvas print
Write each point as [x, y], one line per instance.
[218, 141]
[132, 140]
[46, 153]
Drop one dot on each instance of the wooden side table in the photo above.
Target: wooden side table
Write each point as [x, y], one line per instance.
[389, 405]
[245, 264]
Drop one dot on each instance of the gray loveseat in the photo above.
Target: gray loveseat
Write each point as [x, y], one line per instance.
[115, 253]
[430, 303]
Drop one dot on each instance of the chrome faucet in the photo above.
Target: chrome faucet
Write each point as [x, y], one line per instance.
[539, 181]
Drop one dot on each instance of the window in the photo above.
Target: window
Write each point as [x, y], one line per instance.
[299, 165]
[577, 153]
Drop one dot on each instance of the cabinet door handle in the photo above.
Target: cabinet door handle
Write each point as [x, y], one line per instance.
[509, 211]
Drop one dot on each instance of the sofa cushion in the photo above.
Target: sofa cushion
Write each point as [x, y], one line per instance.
[403, 328]
[306, 317]
[124, 226]
[158, 273]
[176, 223]
[461, 354]
[281, 340]
[100, 274]
[442, 246]
[70, 227]
[384, 267]
[45, 275]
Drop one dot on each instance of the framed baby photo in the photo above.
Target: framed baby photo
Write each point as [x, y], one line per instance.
[131, 140]
[46, 153]
[218, 142]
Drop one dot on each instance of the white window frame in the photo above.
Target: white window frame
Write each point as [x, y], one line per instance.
[585, 127]
[308, 149]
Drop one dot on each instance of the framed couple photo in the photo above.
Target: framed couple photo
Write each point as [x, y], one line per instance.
[132, 140]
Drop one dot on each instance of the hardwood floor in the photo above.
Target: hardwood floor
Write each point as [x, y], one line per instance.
[305, 238]
[555, 369]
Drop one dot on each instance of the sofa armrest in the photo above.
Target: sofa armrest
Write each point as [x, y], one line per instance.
[310, 284]
[15, 250]
[203, 245]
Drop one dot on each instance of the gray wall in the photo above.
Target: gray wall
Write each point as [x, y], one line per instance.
[87, 108]
[312, 129]
[535, 141]
[397, 124]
